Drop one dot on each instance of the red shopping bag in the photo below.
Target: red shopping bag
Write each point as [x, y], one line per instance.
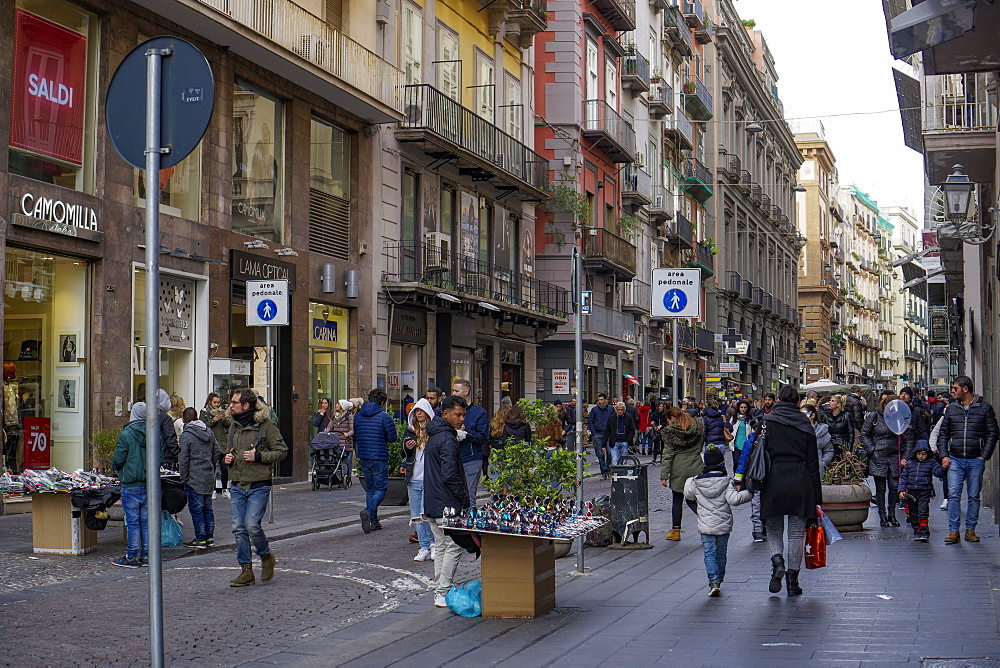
[815, 547]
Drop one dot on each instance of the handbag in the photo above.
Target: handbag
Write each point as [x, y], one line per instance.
[758, 464]
[171, 533]
[466, 599]
[815, 546]
[728, 435]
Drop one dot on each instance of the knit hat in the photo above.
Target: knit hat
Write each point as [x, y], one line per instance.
[907, 390]
[345, 405]
[714, 457]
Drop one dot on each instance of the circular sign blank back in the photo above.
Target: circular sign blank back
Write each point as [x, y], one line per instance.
[187, 95]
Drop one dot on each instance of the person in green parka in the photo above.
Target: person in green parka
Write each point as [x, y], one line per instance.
[683, 438]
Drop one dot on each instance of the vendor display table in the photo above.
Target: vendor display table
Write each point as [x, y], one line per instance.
[519, 575]
[57, 527]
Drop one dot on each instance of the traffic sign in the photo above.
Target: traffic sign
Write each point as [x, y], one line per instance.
[585, 302]
[267, 303]
[738, 348]
[676, 293]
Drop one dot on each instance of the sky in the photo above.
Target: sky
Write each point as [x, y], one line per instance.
[833, 58]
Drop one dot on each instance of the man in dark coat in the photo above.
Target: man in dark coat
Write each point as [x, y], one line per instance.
[597, 420]
[374, 430]
[619, 433]
[445, 487]
[792, 488]
[919, 420]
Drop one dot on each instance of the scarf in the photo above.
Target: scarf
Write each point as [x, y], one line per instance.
[245, 418]
[788, 414]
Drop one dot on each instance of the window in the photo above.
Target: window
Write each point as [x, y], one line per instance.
[512, 104]
[258, 159]
[449, 64]
[485, 84]
[447, 210]
[411, 43]
[329, 190]
[611, 84]
[54, 94]
[591, 81]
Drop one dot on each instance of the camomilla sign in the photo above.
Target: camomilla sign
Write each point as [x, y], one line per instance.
[49, 88]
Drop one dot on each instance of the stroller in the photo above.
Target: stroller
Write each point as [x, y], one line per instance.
[330, 462]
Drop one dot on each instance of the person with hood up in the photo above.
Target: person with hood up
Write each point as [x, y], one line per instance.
[886, 453]
[681, 459]
[916, 489]
[374, 430]
[715, 425]
[199, 450]
[129, 460]
[414, 449]
[715, 495]
[823, 442]
[792, 489]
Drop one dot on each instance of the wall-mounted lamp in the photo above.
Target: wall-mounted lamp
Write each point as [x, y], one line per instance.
[286, 252]
[351, 284]
[256, 243]
[448, 298]
[958, 193]
[328, 277]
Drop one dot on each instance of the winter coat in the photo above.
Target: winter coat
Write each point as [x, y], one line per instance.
[477, 434]
[792, 486]
[199, 452]
[271, 448]
[919, 425]
[129, 459]
[220, 428]
[597, 418]
[374, 430]
[444, 475]
[715, 423]
[170, 449]
[644, 412]
[320, 421]
[824, 445]
[857, 407]
[681, 458]
[715, 495]
[611, 429]
[519, 431]
[751, 424]
[970, 432]
[841, 428]
[344, 425]
[920, 475]
[882, 446]
[630, 409]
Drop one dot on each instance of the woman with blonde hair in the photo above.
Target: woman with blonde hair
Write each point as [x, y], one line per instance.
[176, 413]
[342, 422]
[414, 441]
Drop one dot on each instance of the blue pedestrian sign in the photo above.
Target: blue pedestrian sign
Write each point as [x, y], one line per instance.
[267, 303]
[676, 293]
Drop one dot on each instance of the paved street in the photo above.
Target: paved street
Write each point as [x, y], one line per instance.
[343, 598]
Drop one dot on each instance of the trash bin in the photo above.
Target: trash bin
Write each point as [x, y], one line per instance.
[629, 500]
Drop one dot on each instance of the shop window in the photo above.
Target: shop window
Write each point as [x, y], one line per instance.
[329, 190]
[404, 379]
[258, 163]
[329, 331]
[177, 319]
[54, 100]
[46, 345]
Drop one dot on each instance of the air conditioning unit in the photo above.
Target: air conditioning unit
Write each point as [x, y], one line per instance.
[413, 115]
[640, 160]
[314, 48]
[437, 250]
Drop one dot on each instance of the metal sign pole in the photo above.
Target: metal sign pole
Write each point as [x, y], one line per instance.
[153, 152]
[674, 382]
[578, 337]
[270, 398]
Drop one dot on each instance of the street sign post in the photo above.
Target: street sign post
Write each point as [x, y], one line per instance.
[267, 303]
[676, 294]
[585, 302]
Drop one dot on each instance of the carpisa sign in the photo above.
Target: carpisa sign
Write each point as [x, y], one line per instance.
[676, 293]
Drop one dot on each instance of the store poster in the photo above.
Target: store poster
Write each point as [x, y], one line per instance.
[560, 381]
[49, 93]
[256, 180]
[470, 226]
[37, 437]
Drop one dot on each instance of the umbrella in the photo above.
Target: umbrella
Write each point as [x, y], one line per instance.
[825, 385]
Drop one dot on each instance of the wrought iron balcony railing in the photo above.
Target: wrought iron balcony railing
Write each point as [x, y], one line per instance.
[733, 281]
[676, 29]
[661, 99]
[606, 246]
[619, 13]
[615, 136]
[697, 100]
[635, 70]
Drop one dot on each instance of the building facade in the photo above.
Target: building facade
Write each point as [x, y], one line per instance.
[909, 313]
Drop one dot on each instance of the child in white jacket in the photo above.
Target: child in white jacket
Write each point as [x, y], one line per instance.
[715, 495]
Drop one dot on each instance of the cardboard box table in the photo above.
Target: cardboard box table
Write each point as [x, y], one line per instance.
[57, 527]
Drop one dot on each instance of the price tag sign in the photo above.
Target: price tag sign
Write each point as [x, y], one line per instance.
[37, 438]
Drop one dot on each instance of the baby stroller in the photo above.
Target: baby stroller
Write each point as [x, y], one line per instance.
[330, 465]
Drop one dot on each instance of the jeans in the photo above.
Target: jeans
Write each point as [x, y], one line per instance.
[602, 457]
[136, 521]
[715, 556]
[970, 472]
[646, 443]
[758, 526]
[223, 472]
[447, 554]
[248, 506]
[473, 472]
[376, 473]
[424, 534]
[796, 538]
[619, 451]
[202, 515]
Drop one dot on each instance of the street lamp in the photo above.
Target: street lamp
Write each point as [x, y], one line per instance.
[957, 193]
[754, 128]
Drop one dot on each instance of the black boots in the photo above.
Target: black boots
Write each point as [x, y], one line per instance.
[792, 582]
[777, 573]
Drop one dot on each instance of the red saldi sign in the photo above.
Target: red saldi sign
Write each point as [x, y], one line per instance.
[37, 438]
[49, 88]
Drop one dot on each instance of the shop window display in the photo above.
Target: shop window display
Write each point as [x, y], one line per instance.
[177, 317]
[258, 163]
[329, 337]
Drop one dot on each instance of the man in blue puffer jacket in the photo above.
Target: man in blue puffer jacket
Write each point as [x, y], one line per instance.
[374, 430]
[472, 439]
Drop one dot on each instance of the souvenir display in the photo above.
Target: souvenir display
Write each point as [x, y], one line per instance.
[541, 517]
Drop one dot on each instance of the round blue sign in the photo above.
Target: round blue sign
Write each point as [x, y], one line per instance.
[675, 300]
[267, 310]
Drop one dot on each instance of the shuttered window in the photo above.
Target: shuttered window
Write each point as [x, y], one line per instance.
[329, 190]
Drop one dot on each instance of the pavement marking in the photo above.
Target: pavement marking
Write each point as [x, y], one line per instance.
[409, 574]
[884, 597]
[780, 644]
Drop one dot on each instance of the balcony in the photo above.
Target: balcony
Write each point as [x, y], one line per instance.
[636, 186]
[704, 340]
[635, 71]
[608, 131]
[757, 299]
[776, 213]
[481, 150]
[415, 266]
[619, 13]
[730, 166]
[525, 20]
[703, 259]
[661, 206]
[681, 233]
[281, 37]
[746, 181]
[768, 304]
[765, 203]
[913, 355]
[697, 100]
[677, 31]
[680, 130]
[746, 291]
[694, 13]
[661, 99]
[637, 297]
[698, 181]
[609, 323]
[605, 251]
[706, 33]
[959, 126]
[756, 194]
[732, 283]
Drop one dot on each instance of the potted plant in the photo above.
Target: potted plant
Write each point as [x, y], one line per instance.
[657, 75]
[690, 87]
[103, 447]
[846, 496]
[396, 493]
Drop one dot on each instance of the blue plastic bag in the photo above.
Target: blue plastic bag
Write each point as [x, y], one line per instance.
[466, 599]
[171, 533]
[832, 535]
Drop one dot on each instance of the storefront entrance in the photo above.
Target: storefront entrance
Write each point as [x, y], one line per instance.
[328, 354]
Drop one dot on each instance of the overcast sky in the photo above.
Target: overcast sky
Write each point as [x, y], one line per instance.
[833, 58]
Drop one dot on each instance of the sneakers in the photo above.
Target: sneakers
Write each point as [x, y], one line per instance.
[377, 526]
[366, 522]
[944, 505]
[952, 538]
[970, 536]
[195, 545]
[422, 555]
[144, 561]
[674, 534]
[431, 549]
[225, 493]
[209, 542]
[758, 537]
[439, 601]
[215, 494]
[716, 590]
[126, 562]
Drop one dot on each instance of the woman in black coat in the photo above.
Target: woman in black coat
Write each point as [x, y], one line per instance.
[792, 488]
[841, 424]
[885, 459]
[515, 427]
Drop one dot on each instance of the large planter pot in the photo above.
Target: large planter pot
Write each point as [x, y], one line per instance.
[562, 548]
[847, 505]
[396, 493]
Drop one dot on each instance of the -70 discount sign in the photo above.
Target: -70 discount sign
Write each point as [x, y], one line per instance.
[37, 437]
